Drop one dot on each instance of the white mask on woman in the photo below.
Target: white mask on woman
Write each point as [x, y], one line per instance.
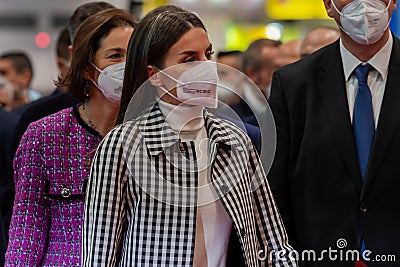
[364, 21]
[197, 86]
[110, 81]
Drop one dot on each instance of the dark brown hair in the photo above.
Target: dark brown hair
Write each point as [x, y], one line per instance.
[156, 33]
[63, 41]
[82, 12]
[19, 59]
[87, 41]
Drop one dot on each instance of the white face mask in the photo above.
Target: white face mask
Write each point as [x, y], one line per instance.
[110, 81]
[364, 21]
[197, 86]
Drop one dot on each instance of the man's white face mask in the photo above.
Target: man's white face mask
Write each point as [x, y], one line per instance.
[364, 21]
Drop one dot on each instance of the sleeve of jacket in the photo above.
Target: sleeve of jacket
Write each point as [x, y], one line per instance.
[105, 213]
[29, 222]
[279, 172]
[272, 234]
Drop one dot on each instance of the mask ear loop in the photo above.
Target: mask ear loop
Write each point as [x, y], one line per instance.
[387, 8]
[158, 98]
[337, 10]
[167, 92]
[93, 81]
[341, 14]
[390, 18]
[96, 67]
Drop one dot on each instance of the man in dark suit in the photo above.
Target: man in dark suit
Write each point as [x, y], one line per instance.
[336, 170]
[8, 121]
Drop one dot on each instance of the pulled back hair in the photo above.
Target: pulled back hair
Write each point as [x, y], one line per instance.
[89, 37]
[155, 34]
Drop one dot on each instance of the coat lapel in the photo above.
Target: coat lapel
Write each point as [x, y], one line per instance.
[389, 120]
[331, 83]
[227, 155]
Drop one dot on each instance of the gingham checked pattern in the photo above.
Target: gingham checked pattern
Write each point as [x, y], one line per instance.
[125, 225]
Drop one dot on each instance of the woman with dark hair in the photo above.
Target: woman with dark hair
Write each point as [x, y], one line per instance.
[174, 185]
[53, 159]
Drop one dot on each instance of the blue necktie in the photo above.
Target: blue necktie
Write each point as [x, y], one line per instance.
[363, 122]
[363, 118]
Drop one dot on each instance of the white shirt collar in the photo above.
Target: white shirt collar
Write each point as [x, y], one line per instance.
[380, 61]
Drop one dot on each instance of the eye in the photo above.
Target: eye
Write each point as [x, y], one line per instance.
[116, 56]
[190, 59]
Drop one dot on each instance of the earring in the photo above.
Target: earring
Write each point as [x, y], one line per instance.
[86, 90]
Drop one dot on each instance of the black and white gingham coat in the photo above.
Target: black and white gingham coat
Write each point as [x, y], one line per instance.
[135, 218]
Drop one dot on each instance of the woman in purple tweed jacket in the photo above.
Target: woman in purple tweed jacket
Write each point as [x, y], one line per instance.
[53, 159]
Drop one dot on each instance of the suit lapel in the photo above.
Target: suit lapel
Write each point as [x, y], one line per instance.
[331, 84]
[389, 121]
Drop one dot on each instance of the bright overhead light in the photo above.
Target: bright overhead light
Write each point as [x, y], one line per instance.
[273, 31]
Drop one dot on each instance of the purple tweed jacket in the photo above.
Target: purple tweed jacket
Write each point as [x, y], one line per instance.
[51, 168]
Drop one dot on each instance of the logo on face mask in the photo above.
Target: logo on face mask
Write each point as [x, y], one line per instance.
[195, 91]
[197, 86]
[110, 81]
[118, 90]
[365, 21]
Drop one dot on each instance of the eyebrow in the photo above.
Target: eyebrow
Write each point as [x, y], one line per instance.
[193, 52]
[118, 49]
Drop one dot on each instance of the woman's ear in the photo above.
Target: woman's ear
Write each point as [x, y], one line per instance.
[152, 73]
[329, 8]
[87, 72]
[394, 3]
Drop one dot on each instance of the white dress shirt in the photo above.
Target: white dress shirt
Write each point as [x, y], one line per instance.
[376, 79]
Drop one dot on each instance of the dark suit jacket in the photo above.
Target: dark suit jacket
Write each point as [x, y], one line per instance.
[315, 176]
[245, 113]
[3, 244]
[8, 122]
[251, 130]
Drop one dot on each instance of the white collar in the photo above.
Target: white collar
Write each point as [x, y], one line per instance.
[380, 61]
[182, 117]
